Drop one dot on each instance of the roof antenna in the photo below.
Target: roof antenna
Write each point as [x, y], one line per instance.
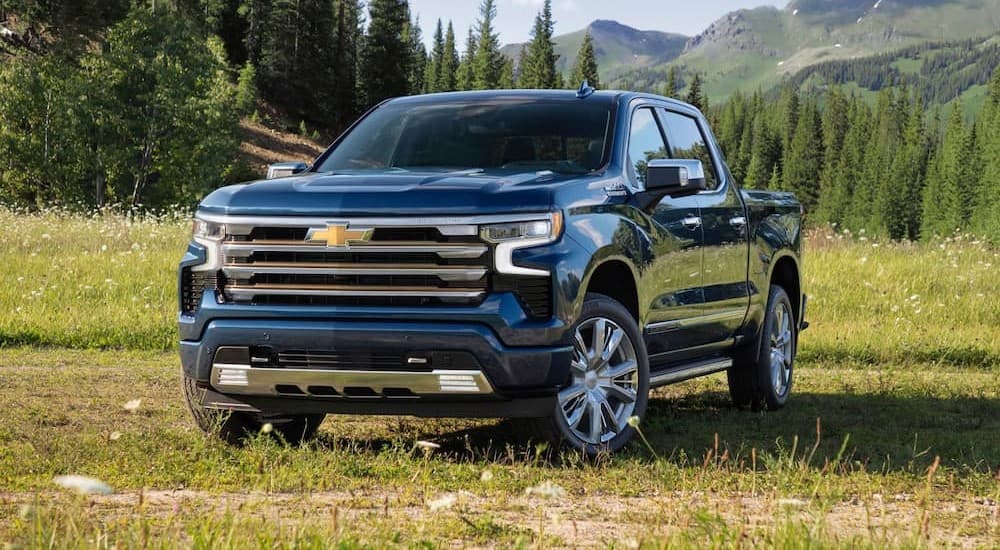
[585, 90]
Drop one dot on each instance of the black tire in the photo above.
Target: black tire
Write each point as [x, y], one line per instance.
[556, 429]
[752, 378]
[235, 427]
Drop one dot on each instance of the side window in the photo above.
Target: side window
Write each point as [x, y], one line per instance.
[687, 142]
[645, 143]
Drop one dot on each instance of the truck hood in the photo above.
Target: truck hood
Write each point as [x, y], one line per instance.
[392, 193]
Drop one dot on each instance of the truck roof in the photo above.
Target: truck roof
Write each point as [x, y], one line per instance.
[601, 96]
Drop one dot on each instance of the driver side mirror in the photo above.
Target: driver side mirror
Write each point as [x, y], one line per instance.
[285, 169]
[675, 177]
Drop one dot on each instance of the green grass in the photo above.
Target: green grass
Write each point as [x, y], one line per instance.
[889, 441]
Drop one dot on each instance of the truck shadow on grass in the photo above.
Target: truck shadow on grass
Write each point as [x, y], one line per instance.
[878, 433]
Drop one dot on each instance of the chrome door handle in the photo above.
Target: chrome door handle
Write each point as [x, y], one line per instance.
[738, 221]
[691, 222]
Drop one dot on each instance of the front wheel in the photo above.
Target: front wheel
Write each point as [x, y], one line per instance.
[235, 427]
[608, 382]
[764, 380]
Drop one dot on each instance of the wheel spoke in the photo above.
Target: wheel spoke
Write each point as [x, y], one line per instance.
[575, 414]
[608, 416]
[581, 346]
[622, 394]
[596, 421]
[621, 369]
[572, 392]
[579, 366]
[599, 339]
[612, 345]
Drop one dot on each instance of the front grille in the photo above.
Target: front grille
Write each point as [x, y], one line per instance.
[303, 359]
[193, 286]
[395, 264]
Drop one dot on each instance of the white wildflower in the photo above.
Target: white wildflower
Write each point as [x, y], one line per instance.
[633, 421]
[267, 428]
[132, 405]
[115, 436]
[427, 445]
[487, 475]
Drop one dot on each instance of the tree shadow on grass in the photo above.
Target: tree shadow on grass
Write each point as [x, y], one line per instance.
[883, 433]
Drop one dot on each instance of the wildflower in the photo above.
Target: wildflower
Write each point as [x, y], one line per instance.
[83, 484]
[442, 503]
[547, 489]
[633, 421]
[427, 445]
[115, 436]
[487, 475]
[267, 428]
[132, 405]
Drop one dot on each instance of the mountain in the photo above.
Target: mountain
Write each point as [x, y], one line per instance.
[619, 48]
[759, 48]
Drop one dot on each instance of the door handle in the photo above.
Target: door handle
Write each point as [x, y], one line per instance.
[691, 222]
[738, 221]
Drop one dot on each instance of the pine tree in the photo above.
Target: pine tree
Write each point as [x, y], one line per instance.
[345, 62]
[946, 202]
[763, 156]
[446, 81]
[670, 89]
[465, 73]
[586, 65]
[538, 65]
[507, 75]
[488, 63]
[434, 63]
[384, 70]
[901, 218]
[418, 56]
[986, 213]
[835, 124]
[802, 164]
[695, 96]
[835, 198]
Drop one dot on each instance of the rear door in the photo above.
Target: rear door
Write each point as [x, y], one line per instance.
[724, 230]
[671, 283]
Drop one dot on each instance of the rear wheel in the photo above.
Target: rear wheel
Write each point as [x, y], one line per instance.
[761, 377]
[234, 427]
[608, 381]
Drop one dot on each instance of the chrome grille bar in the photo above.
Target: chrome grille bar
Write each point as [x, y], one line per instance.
[443, 250]
[460, 273]
[251, 292]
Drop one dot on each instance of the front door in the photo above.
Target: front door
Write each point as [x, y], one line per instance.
[671, 282]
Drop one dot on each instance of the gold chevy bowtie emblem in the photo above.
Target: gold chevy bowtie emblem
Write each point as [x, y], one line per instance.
[337, 235]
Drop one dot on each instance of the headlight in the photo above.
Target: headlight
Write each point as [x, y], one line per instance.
[211, 231]
[521, 234]
[209, 235]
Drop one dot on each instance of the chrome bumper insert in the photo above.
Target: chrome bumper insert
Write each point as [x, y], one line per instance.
[246, 380]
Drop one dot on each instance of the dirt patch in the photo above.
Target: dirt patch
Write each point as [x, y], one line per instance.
[588, 520]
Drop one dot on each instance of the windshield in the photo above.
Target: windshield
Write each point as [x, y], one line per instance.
[561, 136]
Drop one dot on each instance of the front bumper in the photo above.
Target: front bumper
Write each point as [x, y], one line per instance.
[449, 369]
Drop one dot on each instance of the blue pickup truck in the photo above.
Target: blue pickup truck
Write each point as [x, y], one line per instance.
[543, 255]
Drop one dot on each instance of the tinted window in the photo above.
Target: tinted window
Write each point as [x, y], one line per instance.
[528, 135]
[686, 142]
[645, 143]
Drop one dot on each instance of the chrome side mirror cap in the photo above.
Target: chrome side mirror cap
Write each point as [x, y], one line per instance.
[285, 169]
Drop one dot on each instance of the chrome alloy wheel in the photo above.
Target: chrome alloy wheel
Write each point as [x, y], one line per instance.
[782, 349]
[601, 395]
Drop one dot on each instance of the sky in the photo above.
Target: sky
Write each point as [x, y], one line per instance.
[515, 17]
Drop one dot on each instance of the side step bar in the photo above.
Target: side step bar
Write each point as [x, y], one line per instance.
[688, 371]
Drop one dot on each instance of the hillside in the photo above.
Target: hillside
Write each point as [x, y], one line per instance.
[619, 48]
[757, 48]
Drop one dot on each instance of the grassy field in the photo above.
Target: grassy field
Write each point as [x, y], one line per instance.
[890, 439]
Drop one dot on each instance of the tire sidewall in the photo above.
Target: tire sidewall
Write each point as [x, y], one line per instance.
[602, 306]
[765, 381]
